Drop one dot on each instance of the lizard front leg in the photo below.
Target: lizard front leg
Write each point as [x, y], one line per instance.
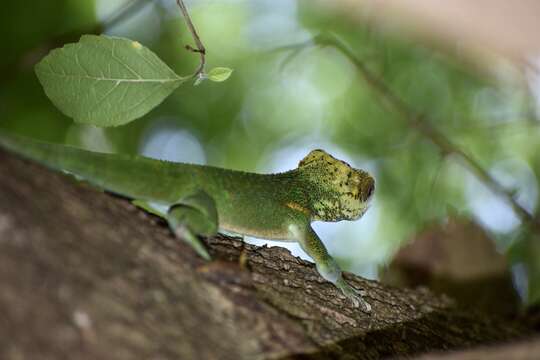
[327, 266]
[194, 215]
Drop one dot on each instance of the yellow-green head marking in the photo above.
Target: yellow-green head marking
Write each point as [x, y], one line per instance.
[342, 192]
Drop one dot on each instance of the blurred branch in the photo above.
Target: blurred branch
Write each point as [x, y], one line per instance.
[421, 122]
[483, 31]
[198, 43]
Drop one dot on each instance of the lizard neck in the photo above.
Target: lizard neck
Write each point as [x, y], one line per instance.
[310, 194]
[329, 199]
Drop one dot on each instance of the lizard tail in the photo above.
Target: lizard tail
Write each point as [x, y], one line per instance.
[131, 176]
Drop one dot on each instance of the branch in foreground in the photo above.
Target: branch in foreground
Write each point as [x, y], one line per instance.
[86, 275]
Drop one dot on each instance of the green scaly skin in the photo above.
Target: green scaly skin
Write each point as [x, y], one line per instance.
[270, 206]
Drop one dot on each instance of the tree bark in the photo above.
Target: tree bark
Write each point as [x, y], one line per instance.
[86, 275]
[522, 350]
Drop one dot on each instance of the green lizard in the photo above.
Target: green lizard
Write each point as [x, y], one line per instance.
[202, 199]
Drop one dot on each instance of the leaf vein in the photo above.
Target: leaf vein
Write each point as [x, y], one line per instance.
[140, 80]
[123, 63]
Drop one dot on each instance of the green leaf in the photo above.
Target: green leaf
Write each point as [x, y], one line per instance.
[106, 81]
[219, 74]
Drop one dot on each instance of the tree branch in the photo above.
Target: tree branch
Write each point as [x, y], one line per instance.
[87, 275]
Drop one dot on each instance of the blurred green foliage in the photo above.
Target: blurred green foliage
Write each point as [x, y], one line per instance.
[274, 102]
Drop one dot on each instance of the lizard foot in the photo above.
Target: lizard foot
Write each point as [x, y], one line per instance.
[353, 294]
[184, 233]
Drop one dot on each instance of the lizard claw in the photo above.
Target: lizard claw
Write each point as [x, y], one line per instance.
[353, 294]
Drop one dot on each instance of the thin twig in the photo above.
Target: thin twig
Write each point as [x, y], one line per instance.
[421, 123]
[198, 43]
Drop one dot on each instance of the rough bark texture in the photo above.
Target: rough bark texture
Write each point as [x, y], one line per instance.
[522, 350]
[85, 275]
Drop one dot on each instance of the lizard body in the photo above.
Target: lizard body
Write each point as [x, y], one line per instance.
[204, 198]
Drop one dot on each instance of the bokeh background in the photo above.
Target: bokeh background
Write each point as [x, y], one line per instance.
[282, 101]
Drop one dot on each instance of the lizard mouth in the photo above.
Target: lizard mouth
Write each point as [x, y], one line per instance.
[363, 209]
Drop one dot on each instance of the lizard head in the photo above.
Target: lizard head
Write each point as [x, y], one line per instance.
[341, 192]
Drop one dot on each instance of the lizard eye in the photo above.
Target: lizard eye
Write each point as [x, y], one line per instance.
[370, 189]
